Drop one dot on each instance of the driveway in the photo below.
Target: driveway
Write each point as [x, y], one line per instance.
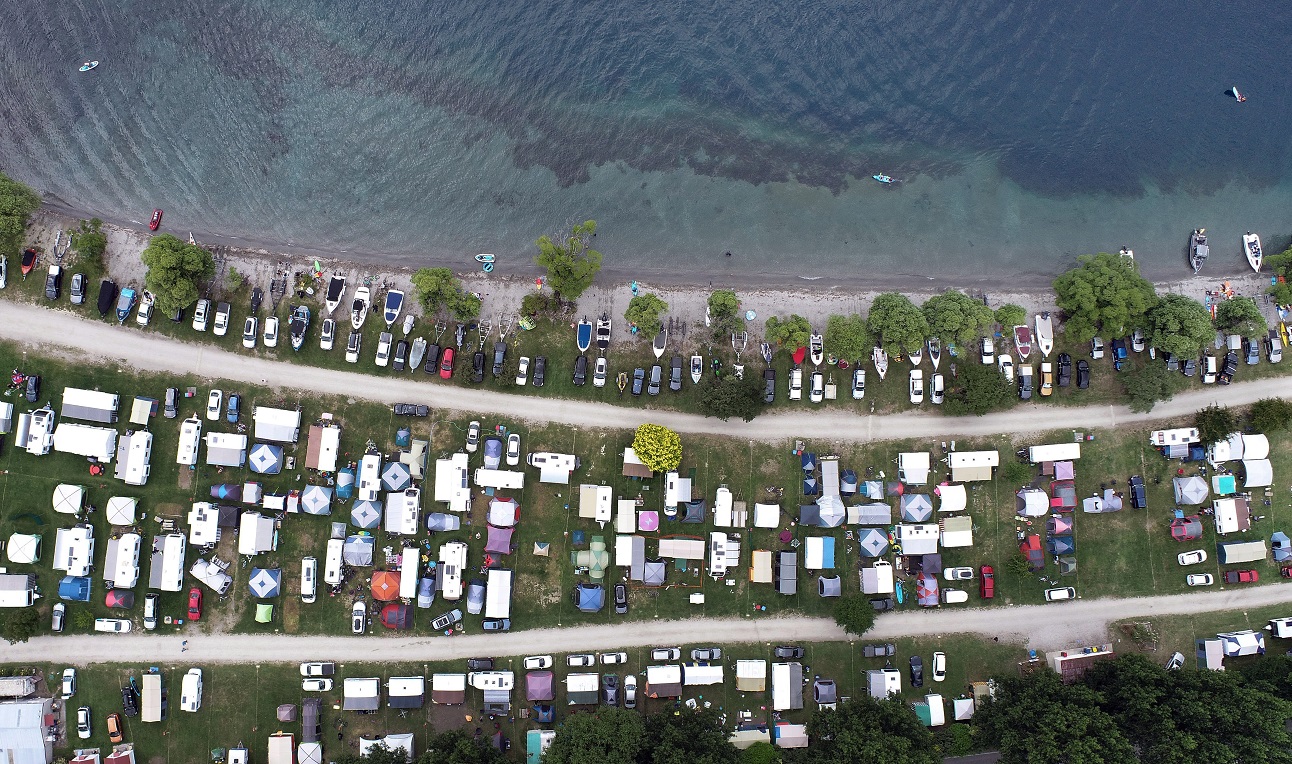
[48, 329]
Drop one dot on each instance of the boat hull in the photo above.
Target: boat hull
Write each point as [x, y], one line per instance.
[1252, 249]
[583, 336]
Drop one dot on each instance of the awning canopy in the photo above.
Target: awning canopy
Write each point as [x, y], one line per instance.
[358, 550]
[916, 507]
[396, 476]
[873, 542]
[68, 499]
[954, 498]
[265, 459]
[265, 582]
[316, 500]
[121, 510]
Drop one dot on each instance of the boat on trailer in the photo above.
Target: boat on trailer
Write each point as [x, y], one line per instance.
[393, 307]
[335, 292]
[299, 322]
[1252, 248]
[583, 335]
[935, 352]
[1023, 341]
[816, 348]
[661, 341]
[766, 348]
[917, 355]
[697, 368]
[880, 359]
[29, 258]
[1198, 249]
[416, 353]
[1044, 334]
[359, 307]
[604, 324]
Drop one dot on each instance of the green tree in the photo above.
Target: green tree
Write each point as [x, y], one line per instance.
[90, 242]
[234, 279]
[848, 338]
[955, 317]
[1269, 415]
[725, 317]
[1104, 294]
[1214, 423]
[791, 333]
[1037, 718]
[571, 264]
[17, 624]
[438, 288]
[1151, 383]
[17, 202]
[644, 310]
[854, 614]
[1010, 315]
[658, 447]
[1268, 673]
[897, 324]
[731, 396]
[980, 389]
[604, 736]
[1241, 316]
[175, 268]
[1281, 265]
[457, 747]
[1180, 326]
[697, 737]
[867, 731]
[761, 753]
[535, 303]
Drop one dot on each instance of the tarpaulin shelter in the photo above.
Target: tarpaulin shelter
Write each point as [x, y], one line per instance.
[926, 588]
[265, 583]
[1057, 526]
[1186, 528]
[695, 511]
[1190, 490]
[503, 512]
[227, 492]
[265, 459]
[1061, 545]
[442, 521]
[397, 615]
[847, 483]
[767, 515]
[915, 507]
[810, 515]
[873, 542]
[589, 598]
[316, 500]
[1032, 502]
[385, 586]
[358, 550]
[1031, 549]
[74, 588]
[23, 548]
[539, 686]
[831, 512]
[499, 541]
[121, 510]
[344, 483]
[653, 572]
[365, 514]
[264, 612]
[68, 499]
[1064, 494]
[396, 476]
[1281, 546]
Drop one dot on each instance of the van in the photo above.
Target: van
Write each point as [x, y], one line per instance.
[1280, 627]
[170, 409]
[112, 625]
[190, 694]
[309, 579]
[796, 384]
[1210, 369]
[1060, 593]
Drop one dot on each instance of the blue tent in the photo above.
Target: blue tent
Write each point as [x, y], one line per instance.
[916, 507]
[365, 514]
[589, 598]
[808, 461]
[265, 583]
[1281, 546]
[265, 459]
[402, 436]
[873, 542]
[810, 485]
[1061, 544]
[395, 477]
[345, 483]
[316, 500]
[74, 588]
[847, 483]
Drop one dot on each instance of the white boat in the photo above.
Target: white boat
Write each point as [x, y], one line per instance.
[766, 349]
[1044, 333]
[4, 271]
[416, 353]
[1023, 341]
[697, 368]
[408, 324]
[916, 355]
[393, 307]
[816, 348]
[1198, 249]
[359, 307]
[583, 335]
[604, 325]
[335, 292]
[935, 352]
[661, 340]
[880, 358]
[484, 258]
[1127, 252]
[1252, 248]
[88, 65]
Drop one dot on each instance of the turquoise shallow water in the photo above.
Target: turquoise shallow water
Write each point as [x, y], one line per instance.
[1023, 134]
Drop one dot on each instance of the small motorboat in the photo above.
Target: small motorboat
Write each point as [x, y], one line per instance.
[882, 178]
[484, 258]
[816, 348]
[359, 307]
[708, 317]
[935, 352]
[407, 328]
[1239, 97]
[1198, 249]
[4, 271]
[1127, 252]
[416, 353]
[661, 341]
[917, 355]
[1252, 248]
[1045, 333]
[880, 359]
[394, 305]
[697, 368]
[1023, 341]
[604, 325]
[583, 335]
[335, 292]
[29, 258]
[299, 322]
[155, 223]
[766, 349]
[87, 66]
[125, 304]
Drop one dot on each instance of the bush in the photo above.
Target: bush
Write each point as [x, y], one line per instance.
[90, 242]
[535, 303]
[1215, 423]
[1270, 415]
[644, 312]
[854, 614]
[658, 447]
[18, 625]
[1016, 473]
[1018, 565]
[17, 202]
[980, 389]
[731, 396]
[1010, 315]
[1149, 384]
[234, 280]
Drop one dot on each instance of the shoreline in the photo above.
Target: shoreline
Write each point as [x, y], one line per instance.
[502, 290]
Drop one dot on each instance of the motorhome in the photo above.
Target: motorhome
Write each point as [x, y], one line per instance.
[452, 562]
[333, 562]
[190, 438]
[90, 405]
[97, 443]
[134, 455]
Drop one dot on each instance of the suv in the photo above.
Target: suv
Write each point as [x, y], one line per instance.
[54, 282]
[477, 367]
[447, 620]
[639, 377]
[1229, 369]
[170, 403]
[1025, 382]
[666, 654]
[769, 385]
[200, 312]
[706, 654]
[621, 599]
[480, 664]
[78, 289]
[656, 374]
[581, 371]
[675, 374]
[1251, 351]
[317, 669]
[1065, 370]
[1139, 499]
[1273, 343]
[791, 652]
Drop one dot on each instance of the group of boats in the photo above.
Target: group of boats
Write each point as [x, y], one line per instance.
[1199, 249]
[361, 303]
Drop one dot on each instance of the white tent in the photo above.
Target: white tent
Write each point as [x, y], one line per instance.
[1226, 450]
[957, 531]
[954, 498]
[1256, 446]
[68, 499]
[682, 548]
[256, 534]
[913, 468]
[1258, 473]
[277, 425]
[121, 510]
[626, 516]
[767, 515]
[23, 548]
[1033, 502]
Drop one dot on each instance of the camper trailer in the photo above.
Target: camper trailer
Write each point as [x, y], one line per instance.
[498, 593]
[1058, 452]
[90, 405]
[332, 562]
[190, 437]
[83, 440]
[134, 455]
[17, 590]
[37, 436]
[453, 560]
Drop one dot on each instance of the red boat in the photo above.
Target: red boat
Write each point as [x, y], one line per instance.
[29, 257]
[155, 223]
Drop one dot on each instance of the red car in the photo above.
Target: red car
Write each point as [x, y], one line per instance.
[155, 223]
[1241, 577]
[446, 365]
[195, 604]
[987, 582]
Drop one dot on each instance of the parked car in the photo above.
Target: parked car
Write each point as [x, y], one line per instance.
[480, 664]
[987, 349]
[54, 282]
[473, 437]
[522, 371]
[538, 662]
[656, 376]
[1025, 382]
[170, 403]
[1192, 558]
[1251, 351]
[359, 617]
[68, 685]
[1096, 348]
[113, 722]
[666, 654]
[59, 616]
[675, 373]
[939, 667]
[883, 603]
[151, 601]
[432, 363]
[475, 596]
[144, 313]
[113, 625]
[401, 355]
[1065, 370]
[316, 685]
[706, 654]
[1210, 368]
[446, 363]
[1175, 662]
[917, 671]
[639, 379]
[1273, 342]
[610, 690]
[917, 386]
[1200, 579]
[883, 650]
[1241, 576]
[788, 652]
[540, 371]
[613, 659]
[33, 388]
[816, 387]
[234, 409]
[83, 726]
[477, 367]
[384, 343]
[327, 334]
[499, 357]
[796, 384]
[621, 599]
[195, 604]
[77, 289]
[271, 332]
[1172, 362]
[599, 371]
[1139, 498]
[1119, 354]
[581, 371]
[318, 668]
[630, 691]
[214, 404]
[201, 312]
[250, 332]
[448, 619]
[580, 660]
[513, 449]
[1060, 593]
[858, 383]
[496, 624]
[1137, 341]
[129, 701]
[1083, 374]
[769, 385]
[963, 573]
[937, 390]
[1047, 379]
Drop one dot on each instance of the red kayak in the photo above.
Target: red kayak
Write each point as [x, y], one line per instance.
[155, 223]
[29, 257]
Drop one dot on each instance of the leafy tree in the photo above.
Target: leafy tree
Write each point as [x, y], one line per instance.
[1270, 415]
[1281, 265]
[1179, 325]
[1214, 423]
[175, 268]
[980, 388]
[1010, 315]
[534, 303]
[457, 747]
[89, 241]
[867, 731]
[955, 739]
[847, 337]
[658, 447]
[644, 311]
[1104, 294]
[378, 754]
[17, 202]
[698, 737]
[731, 396]
[1268, 673]
[955, 317]
[725, 317]
[791, 333]
[899, 326]
[604, 736]
[1149, 384]
[1241, 316]
[571, 264]
[18, 624]
[854, 614]
[761, 753]
[234, 280]
[438, 288]
[1037, 718]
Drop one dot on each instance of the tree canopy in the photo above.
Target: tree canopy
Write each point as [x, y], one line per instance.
[898, 325]
[731, 396]
[1149, 384]
[854, 613]
[867, 731]
[955, 317]
[1104, 294]
[1281, 265]
[1270, 415]
[438, 289]
[698, 737]
[175, 269]
[791, 333]
[18, 624]
[1037, 718]
[17, 202]
[1214, 423]
[658, 447]
[847, 337]
[1010, 315]
[571, 264]
[725, 317]
[604, 736]
[644, 310]
[89, 241]
[1179, 325]
[449, 747]
[979, 389]
[1241, 316]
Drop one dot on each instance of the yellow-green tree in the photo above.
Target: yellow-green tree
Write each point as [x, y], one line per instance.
[658, 447]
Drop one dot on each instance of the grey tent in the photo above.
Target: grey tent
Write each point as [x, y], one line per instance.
[831, 512]
[1067, 565]
[287, 712]
[395, 477]
[316, 500]
[1282, 547]
[870, 514]
[440, 521]
[824, 691]
[829, 587]
[694, 511]
[1061, 545]
[873, 542]
[810, 515]
[653, 573]
[310, 729]
[265, 583]
[358, 550]
[1190, 490]
[365, 514]
[916, 507]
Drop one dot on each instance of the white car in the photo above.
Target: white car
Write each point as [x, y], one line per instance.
[513, 449]
[327, 337]
[221, 320]
[249, 331]
[113, 625]
[200, 312]
[83, 722]
[1200, 579]
[144, 313]
[1192, 558]
[611, 659]
[816, 388]
[988, 351]
[666, 653]
[271, 332]
[963, 573]
[316, 685]
[939, 667]
[796, 384]
[937, 389]
[150, 611]
[1096, 349]
[317, 669]
[384, 341]
[59, 613]
[630, 691]
[353, 345]
[69, 683]
[522, 371]
[858, 383]
[214, 405]
[1137, 341]
[917, 386]
[1007, 367]
[581, 659]
[473, 437]
[538, 662]
[359, 617]
[599, 371]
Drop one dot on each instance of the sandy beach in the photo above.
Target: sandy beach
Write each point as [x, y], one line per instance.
[503, 290]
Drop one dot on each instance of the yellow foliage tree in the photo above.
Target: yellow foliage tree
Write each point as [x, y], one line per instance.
[658, 447]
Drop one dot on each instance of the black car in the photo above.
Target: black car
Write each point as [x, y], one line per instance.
[675, 374]
[401, 355]
[791, 652]
[1230, 368]
[1172, 363]
[1083, 374]
[656, 374]
[480, 664]
[499, 356]
[581, 371]
[1025, 387]
[1139, 499]
[769, 385]
[917, 671]
[78, 289]
[257, 295]
[1065, 370]
[54, 282]
[639, 377]
[432, 364]
[129, 701]
[621, 599]
[540, 370]
[1189, 367]
[477, 367]
[411, 409]
[107, 296]
[33, 387]
[610, 689]
[886, 603]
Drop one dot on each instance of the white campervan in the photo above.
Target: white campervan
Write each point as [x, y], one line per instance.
[190, 696]
[332, 562]
[309, 579]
